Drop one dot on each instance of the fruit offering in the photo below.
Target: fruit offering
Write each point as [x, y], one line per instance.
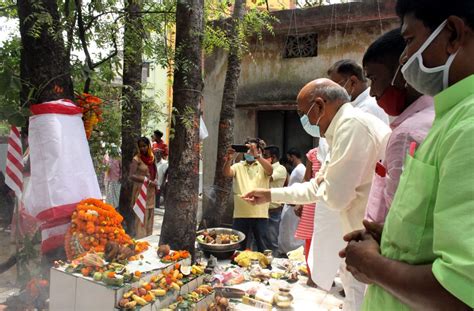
[245, 258]
[141, 296]
[163, 250]
[188, 301]
[94, 266]
[175, 256]
[197, 270]
[93, 224]
[219, 304]
[171, 280]
[212, 237]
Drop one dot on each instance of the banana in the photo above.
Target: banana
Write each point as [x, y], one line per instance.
[197, 269]
[158, 292]
[130, 305]
[175, 274]
[128, 294]
[139, 300]
[175, 286]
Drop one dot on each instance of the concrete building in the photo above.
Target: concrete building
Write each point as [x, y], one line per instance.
[305, 44]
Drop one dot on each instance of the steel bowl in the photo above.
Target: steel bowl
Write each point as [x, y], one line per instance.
[221, 247]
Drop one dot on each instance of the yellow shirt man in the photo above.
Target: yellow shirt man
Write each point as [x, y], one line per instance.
[248, 177]
[278, 179]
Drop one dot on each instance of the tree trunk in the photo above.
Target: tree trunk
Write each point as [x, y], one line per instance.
[223, 185]
[179, 223]
[44, 68]
[131, 102]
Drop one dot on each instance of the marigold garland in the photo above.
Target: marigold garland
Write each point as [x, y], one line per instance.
[91, 111]
[93, 224]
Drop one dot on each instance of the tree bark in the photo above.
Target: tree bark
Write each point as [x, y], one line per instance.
[131, 102]
[213, 212]
[179, 223]
[44, 67]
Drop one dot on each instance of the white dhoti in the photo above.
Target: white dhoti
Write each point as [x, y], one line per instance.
[62, 173]
[323, 259]
[353, 289]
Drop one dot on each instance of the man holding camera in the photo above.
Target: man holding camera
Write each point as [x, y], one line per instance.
[253, 172]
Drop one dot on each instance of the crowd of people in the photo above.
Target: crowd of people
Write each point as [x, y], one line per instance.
[401, 190]
[385, 198]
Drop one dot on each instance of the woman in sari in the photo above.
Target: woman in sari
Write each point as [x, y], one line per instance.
[143, 168]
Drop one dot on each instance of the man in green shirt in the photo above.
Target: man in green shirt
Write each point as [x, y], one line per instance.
[424, 257]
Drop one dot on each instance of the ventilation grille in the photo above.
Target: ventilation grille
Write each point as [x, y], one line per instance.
[301, 46]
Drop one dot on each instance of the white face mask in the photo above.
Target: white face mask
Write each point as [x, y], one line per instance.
[428, 81]
[311, 129]
[352, 91]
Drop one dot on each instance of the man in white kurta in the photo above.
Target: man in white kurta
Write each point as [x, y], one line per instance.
[350, 75]
[356, 142]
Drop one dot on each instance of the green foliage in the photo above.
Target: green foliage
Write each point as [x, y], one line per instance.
[8, 8]
[103, 22]
[107, 136]
[40, 20]
[216, 36]
[153, 111]
[11, 110]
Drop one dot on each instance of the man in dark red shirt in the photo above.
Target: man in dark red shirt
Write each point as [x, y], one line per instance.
[159, 144]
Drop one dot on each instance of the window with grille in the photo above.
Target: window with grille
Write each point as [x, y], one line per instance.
[301, 46]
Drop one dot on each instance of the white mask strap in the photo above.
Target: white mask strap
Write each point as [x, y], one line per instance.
[446, 69]
[395, 75]
[433, 35]
[423, 47]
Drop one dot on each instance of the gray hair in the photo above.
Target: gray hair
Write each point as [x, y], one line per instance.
[331, 93]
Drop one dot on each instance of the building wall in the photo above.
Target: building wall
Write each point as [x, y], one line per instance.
[268, 79]
[156, 87]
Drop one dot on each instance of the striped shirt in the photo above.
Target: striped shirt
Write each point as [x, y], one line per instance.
[305, 227]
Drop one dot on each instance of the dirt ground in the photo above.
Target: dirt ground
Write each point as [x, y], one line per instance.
[8, 278]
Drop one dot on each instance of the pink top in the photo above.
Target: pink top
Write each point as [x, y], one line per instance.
[113, 169]
[411, 126]
[305, 226]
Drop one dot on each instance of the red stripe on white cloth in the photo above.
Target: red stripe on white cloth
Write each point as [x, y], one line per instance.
[61, 106]
[140, 203]
[15, 141]
[53, 238]
[55, 225]
[14, 164]
[60, 211]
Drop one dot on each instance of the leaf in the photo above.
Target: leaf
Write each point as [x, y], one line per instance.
[5, 81]
[17, 119]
